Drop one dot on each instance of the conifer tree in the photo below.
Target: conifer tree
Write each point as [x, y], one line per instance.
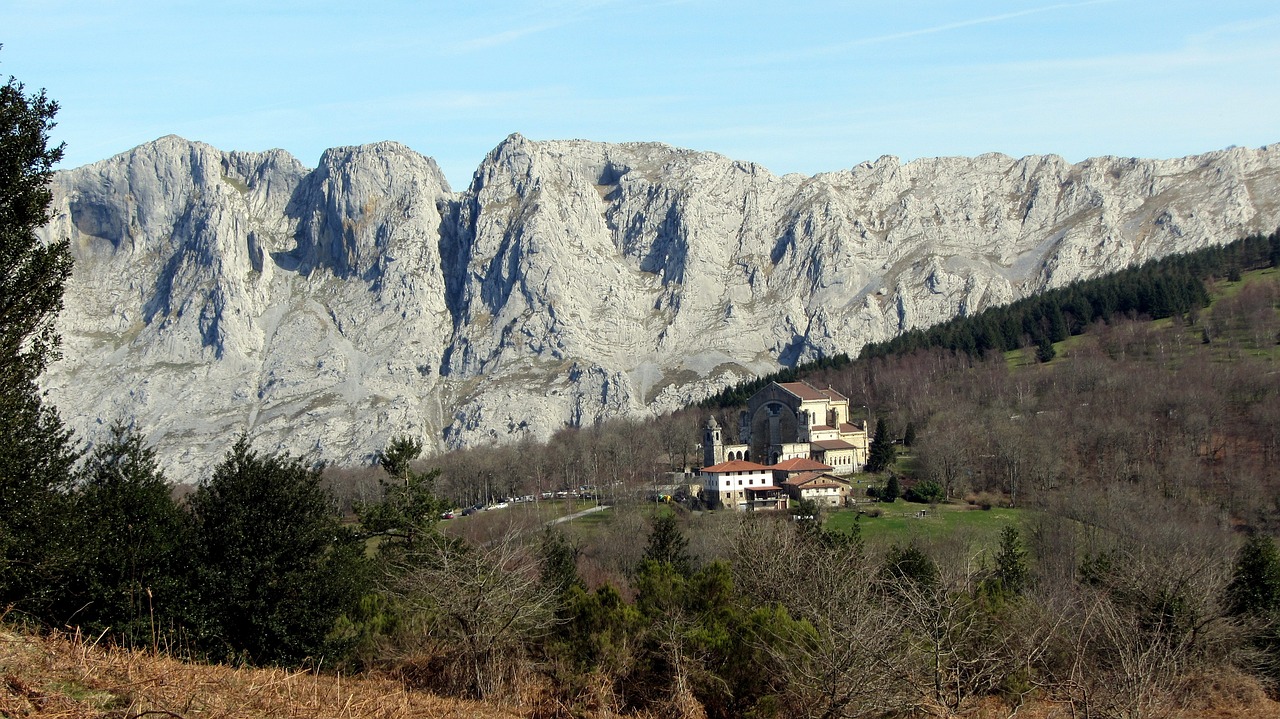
[881, 453]
[129, 571]
[668, 545]
[36, 456]
[273, 568]
[1255, 585]
[892, 489]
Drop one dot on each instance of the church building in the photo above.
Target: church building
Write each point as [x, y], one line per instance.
[784, 421]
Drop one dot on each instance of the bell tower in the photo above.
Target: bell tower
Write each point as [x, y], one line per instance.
[712, 444]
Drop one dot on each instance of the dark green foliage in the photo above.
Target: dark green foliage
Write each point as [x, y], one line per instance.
[909, 563]
[409, 506]
[1254, 596]
[1255, 584]
[668, 545]
[807, 511]
[395, 459]
[37, 530]
[1011, 572]
[881, 453]
[31, 272]
[696, 631]
[909, 436]
[926, 492]
[273, 568]
[128, 576]
[1045, 350]
[37, 541]
[892, 489]
[598, 633]
[558, 561]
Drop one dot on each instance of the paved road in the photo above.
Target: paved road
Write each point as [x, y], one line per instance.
[575, 515]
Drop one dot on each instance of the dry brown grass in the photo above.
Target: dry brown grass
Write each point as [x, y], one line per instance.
[73, 678]
[60, 677]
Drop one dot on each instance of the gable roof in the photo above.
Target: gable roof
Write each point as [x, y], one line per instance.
[801, 464]
[813, 480]
[832, 444]
[803, 390]
[847, 427]
[735, 465]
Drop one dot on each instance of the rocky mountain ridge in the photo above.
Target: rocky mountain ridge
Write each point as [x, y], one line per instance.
[326, 310]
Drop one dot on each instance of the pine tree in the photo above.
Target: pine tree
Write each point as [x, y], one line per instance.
[1045, 350]
[37, 543]
[881, 453]
[32, 273]
[668, 545]
[409, 507]
[1011, 563]
[129, 573]
[1255, 586]
[909, 436]
[892, 489]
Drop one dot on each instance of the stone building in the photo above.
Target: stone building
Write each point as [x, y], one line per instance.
[790, 420]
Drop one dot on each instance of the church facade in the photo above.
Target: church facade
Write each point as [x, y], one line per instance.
[788, 420]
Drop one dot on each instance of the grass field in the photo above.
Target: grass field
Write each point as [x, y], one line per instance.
[899, 522]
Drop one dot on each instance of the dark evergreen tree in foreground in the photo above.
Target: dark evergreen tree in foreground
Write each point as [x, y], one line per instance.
[129, 574]
[273, 568]
[37, 543]
[32, 273]
[1255, 585]
[668, 545]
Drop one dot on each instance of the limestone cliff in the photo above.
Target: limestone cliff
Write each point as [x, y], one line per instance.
[325, 310]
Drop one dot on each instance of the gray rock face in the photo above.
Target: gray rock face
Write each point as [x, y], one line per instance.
[324, 311]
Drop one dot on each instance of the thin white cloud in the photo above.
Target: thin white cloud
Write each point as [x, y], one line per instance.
[559, 15]
[947, 27]
[839, 48]
[502, 38]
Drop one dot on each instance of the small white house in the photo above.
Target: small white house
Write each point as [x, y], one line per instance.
[742, 486]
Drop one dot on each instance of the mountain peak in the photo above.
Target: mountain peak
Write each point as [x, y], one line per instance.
[325, 311]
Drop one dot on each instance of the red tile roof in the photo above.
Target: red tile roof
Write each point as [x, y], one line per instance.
[847, 427]
[832, 444]
[815, 479]
[801, 464]
[735, 465]
[803, 390]
[821, 428]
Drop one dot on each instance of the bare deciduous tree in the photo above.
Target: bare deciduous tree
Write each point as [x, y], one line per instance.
[482, 605]
[837, 648]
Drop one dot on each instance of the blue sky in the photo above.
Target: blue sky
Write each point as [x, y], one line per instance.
[801, 87]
